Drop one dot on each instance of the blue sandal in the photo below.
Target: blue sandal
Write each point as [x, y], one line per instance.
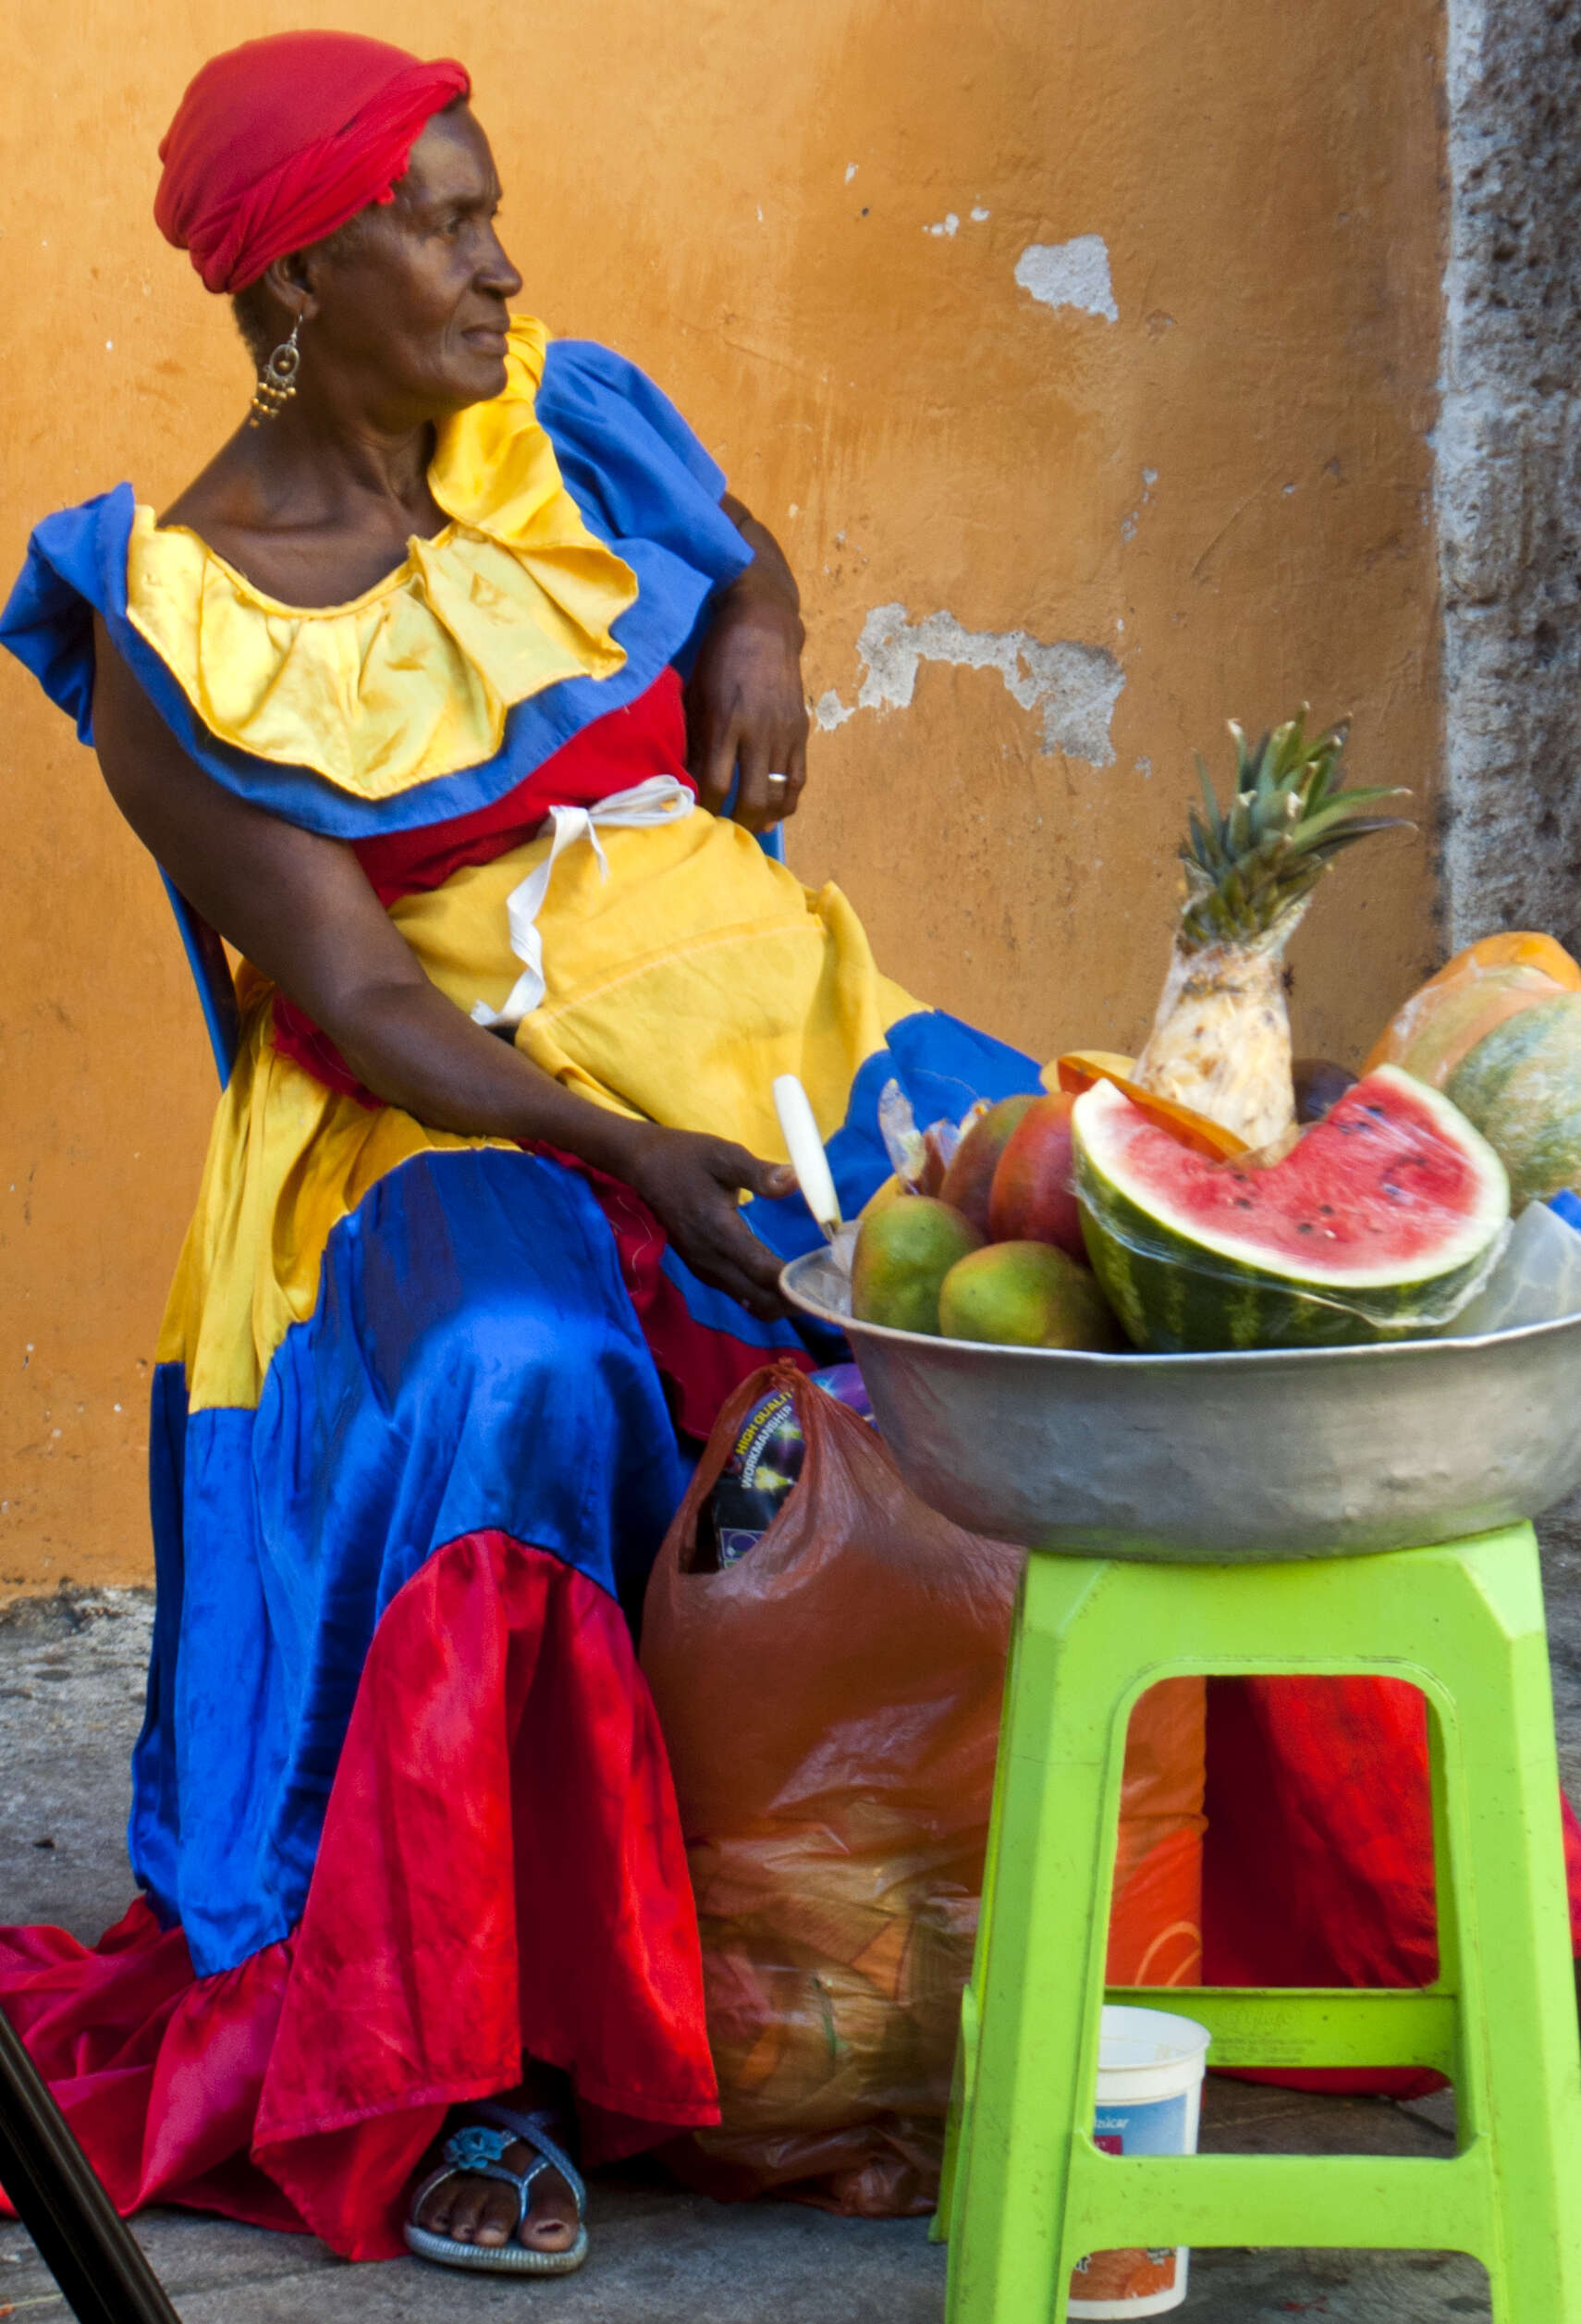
[475, 2150]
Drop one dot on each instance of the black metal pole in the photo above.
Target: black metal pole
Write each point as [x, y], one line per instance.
[88, 2248]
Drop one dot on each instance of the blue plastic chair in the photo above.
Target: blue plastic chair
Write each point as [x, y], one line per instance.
[217, 989]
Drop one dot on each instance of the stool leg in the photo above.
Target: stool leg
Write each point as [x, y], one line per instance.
[1040, 1971]
[950, 2181]
[1504, 1924]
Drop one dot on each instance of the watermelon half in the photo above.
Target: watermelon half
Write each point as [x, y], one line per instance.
[1383, 1220]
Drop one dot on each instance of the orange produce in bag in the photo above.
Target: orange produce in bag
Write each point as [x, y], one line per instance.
[1493, 979]
[831, 1703]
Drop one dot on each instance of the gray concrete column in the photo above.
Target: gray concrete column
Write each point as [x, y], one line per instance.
[1508, 450]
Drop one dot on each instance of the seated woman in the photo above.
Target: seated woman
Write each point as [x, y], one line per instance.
[394, 692]
[428, 693]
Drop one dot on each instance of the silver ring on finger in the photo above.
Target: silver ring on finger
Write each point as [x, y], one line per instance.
[784, 780]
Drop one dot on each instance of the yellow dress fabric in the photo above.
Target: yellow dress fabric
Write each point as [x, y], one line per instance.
[413, 679]
[676, 990]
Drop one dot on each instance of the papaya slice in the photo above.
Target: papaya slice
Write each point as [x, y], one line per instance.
[1079, 1068]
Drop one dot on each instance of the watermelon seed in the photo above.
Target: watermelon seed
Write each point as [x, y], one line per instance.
[1303, 1226]
[1325, 1209]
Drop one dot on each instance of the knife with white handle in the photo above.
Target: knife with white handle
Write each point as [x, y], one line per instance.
[805, 1149]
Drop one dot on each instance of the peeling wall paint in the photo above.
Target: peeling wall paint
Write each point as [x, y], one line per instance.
[1073, 274]
[1075, 686]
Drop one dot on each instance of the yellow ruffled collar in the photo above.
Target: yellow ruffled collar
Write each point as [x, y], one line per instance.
[411, 680]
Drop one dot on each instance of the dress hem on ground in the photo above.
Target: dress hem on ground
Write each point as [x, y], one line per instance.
[501, 1873]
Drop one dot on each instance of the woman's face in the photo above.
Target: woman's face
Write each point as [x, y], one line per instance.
[413, 308]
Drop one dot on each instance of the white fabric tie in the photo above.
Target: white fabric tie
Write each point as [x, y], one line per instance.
[662, 799]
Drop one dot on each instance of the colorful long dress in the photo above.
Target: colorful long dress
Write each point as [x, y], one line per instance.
[424, 1405]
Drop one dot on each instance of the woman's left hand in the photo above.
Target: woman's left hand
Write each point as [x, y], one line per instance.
[744, 703]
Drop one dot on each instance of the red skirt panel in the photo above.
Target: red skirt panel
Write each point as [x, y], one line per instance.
[1318, 1863]
[501, 1873]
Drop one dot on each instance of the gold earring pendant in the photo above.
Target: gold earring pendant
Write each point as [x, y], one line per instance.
[277, 380]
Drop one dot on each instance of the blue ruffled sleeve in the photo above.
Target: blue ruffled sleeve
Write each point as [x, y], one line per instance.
[69, 575]
[633, 466]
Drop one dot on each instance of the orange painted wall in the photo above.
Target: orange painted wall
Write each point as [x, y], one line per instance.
[1226, 488]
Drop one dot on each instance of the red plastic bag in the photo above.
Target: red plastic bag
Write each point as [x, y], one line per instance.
[830, 1704]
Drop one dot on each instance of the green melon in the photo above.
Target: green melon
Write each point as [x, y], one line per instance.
[1383, 1220]
[1521, 1085]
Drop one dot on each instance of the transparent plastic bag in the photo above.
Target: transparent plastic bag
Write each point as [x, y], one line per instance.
[920, 1158]
[1313, 1224]
[1174, 1300]
[831, 1703]
[1538, 1278]
[1220, 1016]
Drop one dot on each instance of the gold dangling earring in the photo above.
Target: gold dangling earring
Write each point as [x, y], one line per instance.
[277, 380]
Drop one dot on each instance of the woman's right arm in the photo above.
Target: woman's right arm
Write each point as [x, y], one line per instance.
[300, 908]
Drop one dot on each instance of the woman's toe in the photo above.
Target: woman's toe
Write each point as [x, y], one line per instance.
[435, 2215]
[467, 2211]
[550, 2225]
[498, 2216]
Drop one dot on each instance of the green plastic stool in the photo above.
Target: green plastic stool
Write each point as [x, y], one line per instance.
[1025, 2191]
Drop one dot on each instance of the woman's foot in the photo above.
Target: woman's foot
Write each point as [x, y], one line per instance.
[471, 2209]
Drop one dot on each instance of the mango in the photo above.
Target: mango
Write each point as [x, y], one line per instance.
[969, 1180]
[1025, 1295]
[903, 1254]
[1032, 1200]
[880, 1199]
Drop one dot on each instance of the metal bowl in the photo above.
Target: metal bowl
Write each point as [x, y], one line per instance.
[1256, 1456]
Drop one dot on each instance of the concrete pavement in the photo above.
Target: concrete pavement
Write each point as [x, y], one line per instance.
[71, 1675]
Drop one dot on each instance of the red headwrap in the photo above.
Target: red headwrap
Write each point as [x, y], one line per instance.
[280, 141]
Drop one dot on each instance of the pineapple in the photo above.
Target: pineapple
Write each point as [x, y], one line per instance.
[1221, 1040]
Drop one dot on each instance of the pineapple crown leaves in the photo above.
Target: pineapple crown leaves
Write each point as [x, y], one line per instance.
[1250, 865]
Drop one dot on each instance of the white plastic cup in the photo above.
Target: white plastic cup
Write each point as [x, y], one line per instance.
[1149, 2102]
